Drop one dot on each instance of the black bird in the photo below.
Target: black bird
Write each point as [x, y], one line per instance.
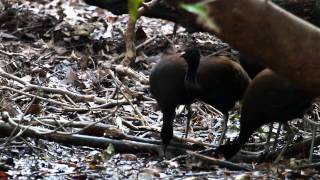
[217, 81]
[167, 87]
[269, 98]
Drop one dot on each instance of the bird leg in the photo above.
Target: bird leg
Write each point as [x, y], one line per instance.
[314, 131]
[188, 107]
[224, 128]
[290, 136]
[167, 126]
[269, 133]
[276, 138]
[174, 31]
[267, 146]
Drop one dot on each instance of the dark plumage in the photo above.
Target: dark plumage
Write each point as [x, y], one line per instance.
[217, 81]
[269, 98]
[167, 87]
[251, 67]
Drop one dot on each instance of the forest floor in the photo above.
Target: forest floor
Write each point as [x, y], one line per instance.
[71, 111]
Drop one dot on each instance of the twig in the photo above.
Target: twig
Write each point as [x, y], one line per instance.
[193, 175]
[44, 56]
[221, 163]
[34, 96]
[43, 131]
[102, 119]
[218, 52]
[130, 72]
[12, 53]
[146, 42]
[311, 122]
[77, 97]
[70, 100]
[137, 48]
[10, 76]
[14, 130]
[306, 166]
[183, 156]
[119, 84]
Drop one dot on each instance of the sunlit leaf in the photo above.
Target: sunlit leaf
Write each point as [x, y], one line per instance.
[133, 6]
[109, 152]
[197, 8]
[110, 149]
[243, 176]
[260, 130]
[200, 10]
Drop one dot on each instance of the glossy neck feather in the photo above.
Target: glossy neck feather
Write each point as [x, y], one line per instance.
[192, 58]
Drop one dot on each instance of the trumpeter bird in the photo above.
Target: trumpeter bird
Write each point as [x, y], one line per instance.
[181, 78]
[269, 98]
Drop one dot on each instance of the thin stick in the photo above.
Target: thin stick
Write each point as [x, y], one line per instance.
[34, 96]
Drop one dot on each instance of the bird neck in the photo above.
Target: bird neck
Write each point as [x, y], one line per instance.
[192, 70]
[191, 76]
[190, 81]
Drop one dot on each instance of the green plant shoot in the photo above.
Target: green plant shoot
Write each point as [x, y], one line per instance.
[133, 6]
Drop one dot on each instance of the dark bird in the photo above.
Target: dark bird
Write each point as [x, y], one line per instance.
[269, 98]
[179, 79]
[253, 68]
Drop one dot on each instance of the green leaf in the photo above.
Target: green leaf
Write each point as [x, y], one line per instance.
[260, 130]
[203, 17]
[197, 8]
[109, 152]
[133, 6]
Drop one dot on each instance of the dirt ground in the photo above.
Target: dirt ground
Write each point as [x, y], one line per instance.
[68, 53]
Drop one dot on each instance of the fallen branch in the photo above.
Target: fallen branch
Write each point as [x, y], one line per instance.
[87, 128]
[121, 146]
[221, 163]
[177, 140]
[125, 146]
[131, 73]
[135, 145]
